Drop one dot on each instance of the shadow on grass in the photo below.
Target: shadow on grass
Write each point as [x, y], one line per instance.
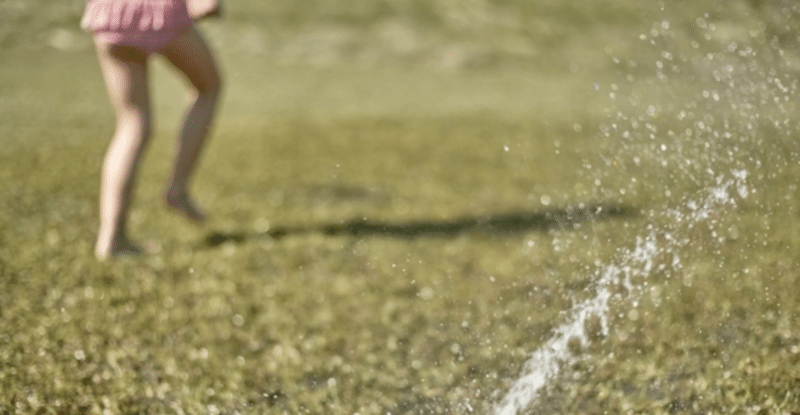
[498, 225]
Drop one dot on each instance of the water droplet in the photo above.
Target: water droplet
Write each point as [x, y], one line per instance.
[426, 293]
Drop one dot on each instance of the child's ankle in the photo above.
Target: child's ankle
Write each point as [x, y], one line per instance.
[180, 201]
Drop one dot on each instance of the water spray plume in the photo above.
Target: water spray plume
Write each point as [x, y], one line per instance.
[743, 94]
[546, 362]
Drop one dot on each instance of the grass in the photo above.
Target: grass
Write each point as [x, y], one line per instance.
[396, 232]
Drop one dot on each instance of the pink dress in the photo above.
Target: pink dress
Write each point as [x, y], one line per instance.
[149, 25]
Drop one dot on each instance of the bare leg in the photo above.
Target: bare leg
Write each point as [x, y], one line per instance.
[190, 55]
[125, 72]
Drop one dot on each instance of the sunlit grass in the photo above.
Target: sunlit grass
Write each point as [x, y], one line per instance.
[399, 238]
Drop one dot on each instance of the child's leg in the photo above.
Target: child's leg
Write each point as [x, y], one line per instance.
[125, 72]
[190, 55]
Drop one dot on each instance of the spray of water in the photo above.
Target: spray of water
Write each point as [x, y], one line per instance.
[630, 264]
[742, 96]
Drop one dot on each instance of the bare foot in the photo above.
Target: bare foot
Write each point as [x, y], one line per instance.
[181, 202]
[116, 249]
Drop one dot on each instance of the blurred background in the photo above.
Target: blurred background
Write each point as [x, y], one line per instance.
[442, 34]
[342, 115]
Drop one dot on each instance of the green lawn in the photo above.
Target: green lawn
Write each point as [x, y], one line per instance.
[408, 200]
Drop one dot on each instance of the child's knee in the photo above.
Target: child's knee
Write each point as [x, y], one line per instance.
[212, 84]
[136, 126]
[208, 80]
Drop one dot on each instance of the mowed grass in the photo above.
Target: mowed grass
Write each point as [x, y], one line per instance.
[400, 239]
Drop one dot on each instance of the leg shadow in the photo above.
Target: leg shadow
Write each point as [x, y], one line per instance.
[498, 225]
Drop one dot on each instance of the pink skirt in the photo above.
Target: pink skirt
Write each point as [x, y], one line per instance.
[148, 25]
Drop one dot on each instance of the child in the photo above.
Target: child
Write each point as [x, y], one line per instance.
[126, 33]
